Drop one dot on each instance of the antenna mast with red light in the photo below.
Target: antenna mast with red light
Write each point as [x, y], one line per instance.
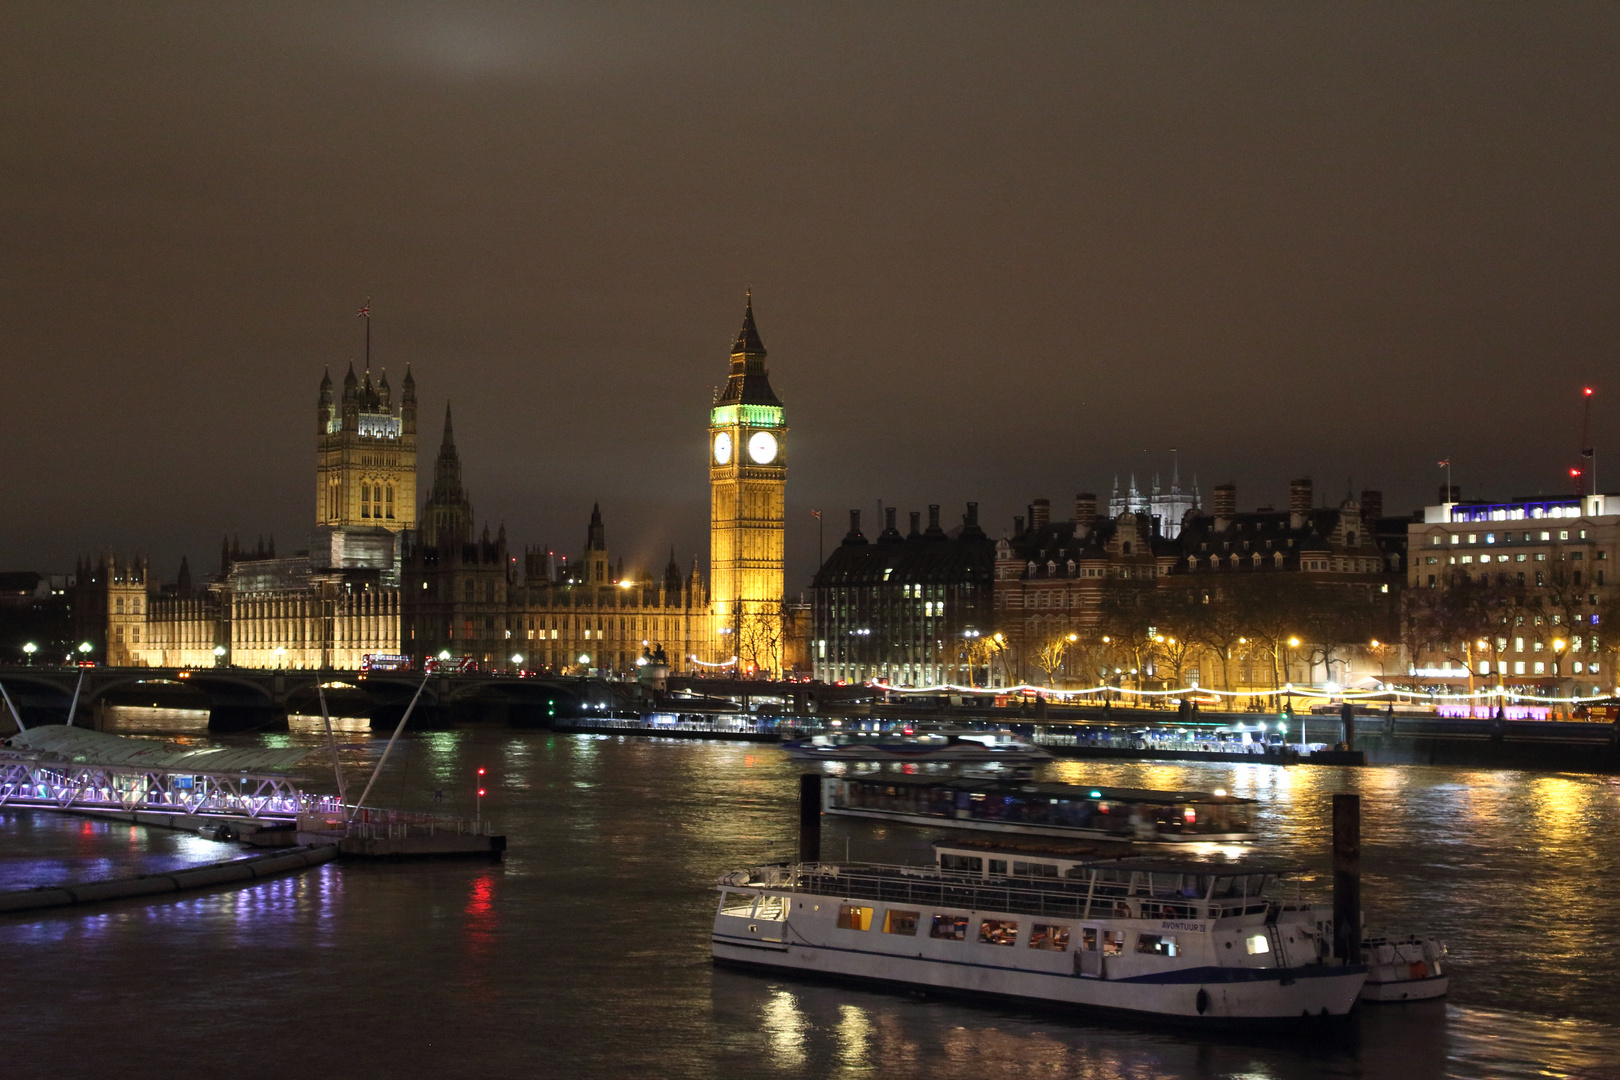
[1588, 465]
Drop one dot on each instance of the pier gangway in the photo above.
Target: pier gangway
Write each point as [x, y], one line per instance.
[28, 781]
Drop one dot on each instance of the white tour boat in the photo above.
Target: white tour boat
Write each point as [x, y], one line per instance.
[948, 745]
[1182, 941]
[1400, 967]
[1026, 808]
[1404, 967]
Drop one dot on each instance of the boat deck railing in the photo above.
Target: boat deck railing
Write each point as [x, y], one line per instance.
[1078, 898]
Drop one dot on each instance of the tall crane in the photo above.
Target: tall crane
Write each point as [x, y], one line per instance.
[1588, 465]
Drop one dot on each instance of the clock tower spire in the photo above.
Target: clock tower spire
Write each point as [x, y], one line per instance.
[747, 477]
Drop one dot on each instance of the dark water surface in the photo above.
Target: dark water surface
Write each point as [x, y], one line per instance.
[585, 954]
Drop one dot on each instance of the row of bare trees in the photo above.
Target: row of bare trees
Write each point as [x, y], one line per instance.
[1258, 621]
[1472, 620]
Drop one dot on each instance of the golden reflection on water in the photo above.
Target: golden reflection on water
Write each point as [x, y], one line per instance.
[854, 1037]
[784, 1026]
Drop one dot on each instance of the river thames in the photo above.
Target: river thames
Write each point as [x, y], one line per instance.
[586, 953]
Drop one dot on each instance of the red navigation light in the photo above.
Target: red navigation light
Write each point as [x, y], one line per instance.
[480, 793]
[1587, 391]
[1574, 472]
[480, 770]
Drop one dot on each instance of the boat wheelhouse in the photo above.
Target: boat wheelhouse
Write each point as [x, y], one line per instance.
[1176, 940]
[1042, 809]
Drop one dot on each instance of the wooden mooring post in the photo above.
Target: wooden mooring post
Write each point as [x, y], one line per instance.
[810, 817]
[1347, 878]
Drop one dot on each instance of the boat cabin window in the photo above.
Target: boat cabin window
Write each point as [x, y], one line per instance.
[854, 917]
[1156, 944]
[739, 904]
[1034, 869]
[1053, 937]
[1257, 945]
[1088, 939]
[1113, 942]
[949, 927]
[998, 932]
[998, 867]
[1227, 886]
[773, 908]
[962, 864]
[900, 922]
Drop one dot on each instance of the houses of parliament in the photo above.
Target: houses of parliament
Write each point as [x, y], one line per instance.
[386, 575]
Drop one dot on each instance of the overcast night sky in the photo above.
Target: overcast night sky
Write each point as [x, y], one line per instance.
[997, 252]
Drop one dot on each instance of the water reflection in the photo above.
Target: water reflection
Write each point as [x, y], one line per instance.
[586, 953]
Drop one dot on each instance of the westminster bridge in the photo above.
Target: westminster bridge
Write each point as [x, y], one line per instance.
[251, 699]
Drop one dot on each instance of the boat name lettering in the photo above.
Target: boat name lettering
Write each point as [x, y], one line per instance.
[1190, 927]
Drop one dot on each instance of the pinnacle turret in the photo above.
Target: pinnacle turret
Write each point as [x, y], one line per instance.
[748, 342]
[749, 383]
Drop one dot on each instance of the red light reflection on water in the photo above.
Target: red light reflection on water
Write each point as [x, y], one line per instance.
[480, 912]
[909, 768]
[481, 925]
[748, 761]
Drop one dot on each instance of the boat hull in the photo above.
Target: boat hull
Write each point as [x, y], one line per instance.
[1424, 989]
[910, 754]
[1228, 996]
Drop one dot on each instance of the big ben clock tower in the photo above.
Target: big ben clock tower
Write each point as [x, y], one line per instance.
[747, 475]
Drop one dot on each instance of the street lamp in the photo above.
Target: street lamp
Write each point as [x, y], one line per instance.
[281, 656]
[84, 651]
[30, 649]
[219, 656]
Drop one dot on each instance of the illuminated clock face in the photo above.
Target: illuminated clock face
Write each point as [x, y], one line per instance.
[722, 448]
[762, 448]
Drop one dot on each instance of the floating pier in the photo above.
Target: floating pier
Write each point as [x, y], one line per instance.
[230, 872]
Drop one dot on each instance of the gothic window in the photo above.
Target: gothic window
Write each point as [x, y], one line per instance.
[120, 605]
[390, 501]
[365, 500]
[135, 634]
[469, 592]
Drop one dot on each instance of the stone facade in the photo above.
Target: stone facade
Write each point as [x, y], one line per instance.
[1515, 593]
[907, 609]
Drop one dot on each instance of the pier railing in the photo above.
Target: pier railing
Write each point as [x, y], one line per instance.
[392, 824]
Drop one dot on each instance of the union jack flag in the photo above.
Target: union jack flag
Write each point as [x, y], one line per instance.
[365, 312]
[1446, 463]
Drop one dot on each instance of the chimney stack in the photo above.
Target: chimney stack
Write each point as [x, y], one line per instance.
[1085, 511]
[933, 520]
[1040, 512]
[916, 525]
[1372, 506]
[1224, 503]
[1300, 501]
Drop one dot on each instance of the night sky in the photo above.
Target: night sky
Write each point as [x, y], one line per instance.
[998, 251]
